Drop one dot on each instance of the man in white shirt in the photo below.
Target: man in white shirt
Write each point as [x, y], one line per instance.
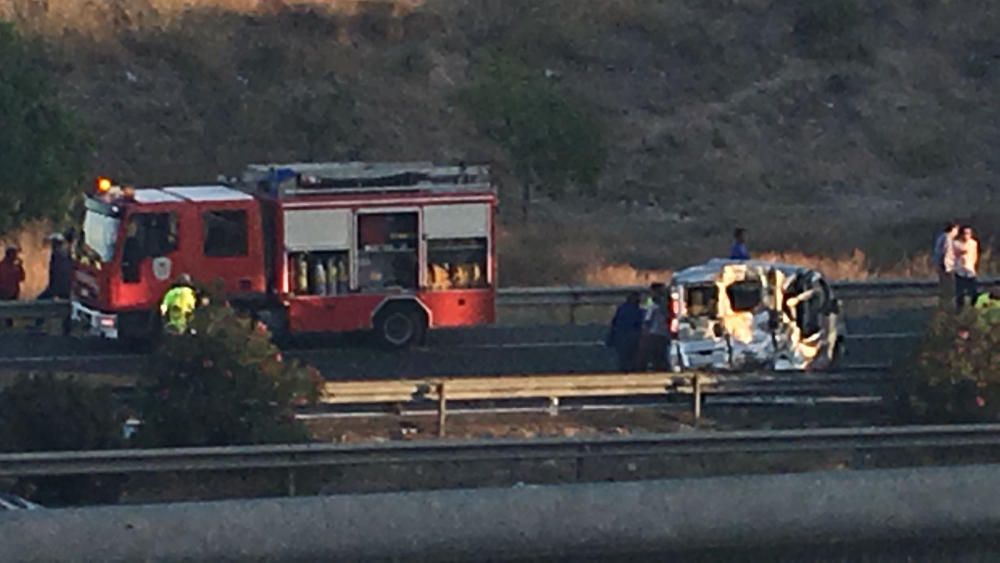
[966, 250]
[944, 261]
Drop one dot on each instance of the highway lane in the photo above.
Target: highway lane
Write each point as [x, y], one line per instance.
[478, 351]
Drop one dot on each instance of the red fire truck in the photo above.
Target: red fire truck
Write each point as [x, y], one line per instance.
[307, 248]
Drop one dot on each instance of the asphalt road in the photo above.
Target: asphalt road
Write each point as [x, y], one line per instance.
[478, 351]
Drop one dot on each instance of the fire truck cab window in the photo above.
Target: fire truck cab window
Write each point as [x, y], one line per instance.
[148, 235]
[225, 233]
[458, 263]
[387, 251]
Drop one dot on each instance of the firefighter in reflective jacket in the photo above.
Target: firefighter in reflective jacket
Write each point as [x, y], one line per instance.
[178, 305]
[988, 306]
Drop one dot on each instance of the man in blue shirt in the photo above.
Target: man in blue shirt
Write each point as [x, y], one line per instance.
[626, 328]
[739, 250]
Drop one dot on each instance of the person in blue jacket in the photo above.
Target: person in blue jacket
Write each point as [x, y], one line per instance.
[626, 329]
[739, 250]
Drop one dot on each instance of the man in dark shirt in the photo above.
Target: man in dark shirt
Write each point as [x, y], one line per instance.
[626, 329]
[60, 270]
[11, 275]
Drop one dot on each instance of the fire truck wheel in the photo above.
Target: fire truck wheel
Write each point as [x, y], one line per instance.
[399, 326]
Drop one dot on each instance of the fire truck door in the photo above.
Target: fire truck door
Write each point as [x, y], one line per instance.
[150, 239]
[148, 257]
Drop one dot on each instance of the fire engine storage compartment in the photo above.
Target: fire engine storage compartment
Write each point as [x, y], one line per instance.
[417, 241]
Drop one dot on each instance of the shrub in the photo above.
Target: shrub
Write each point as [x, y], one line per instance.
[42, 148]
[553, 141]
[225, 384]
[955, 376]
[44, 413]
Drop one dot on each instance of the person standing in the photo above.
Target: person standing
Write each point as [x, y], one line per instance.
[944, 261]
[626, 329]
[60, 270]
[11, 275]
[178, 305]
[966, 250]
[739, 250]
[655, 339]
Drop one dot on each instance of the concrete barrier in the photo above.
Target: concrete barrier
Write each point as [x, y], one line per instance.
[536, 522]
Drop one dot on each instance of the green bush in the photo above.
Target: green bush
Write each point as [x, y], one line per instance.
[955, 375]
[43, 149]
[225, 384]
[553, 141]
[43, 413]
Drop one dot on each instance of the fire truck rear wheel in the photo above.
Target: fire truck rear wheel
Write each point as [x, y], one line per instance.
[400, 326]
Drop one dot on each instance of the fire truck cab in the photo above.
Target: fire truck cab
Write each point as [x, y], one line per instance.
[307, 248]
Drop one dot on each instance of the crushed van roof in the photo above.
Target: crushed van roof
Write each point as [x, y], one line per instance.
[709, 271]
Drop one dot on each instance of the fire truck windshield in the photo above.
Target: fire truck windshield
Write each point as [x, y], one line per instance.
[100, 232]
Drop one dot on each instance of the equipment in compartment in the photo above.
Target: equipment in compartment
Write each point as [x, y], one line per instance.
[319, 273]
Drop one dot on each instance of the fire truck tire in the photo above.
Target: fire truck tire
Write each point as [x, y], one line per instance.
[276, 321]
[401, 325]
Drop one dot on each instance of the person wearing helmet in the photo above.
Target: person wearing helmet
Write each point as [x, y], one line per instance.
[177, 307]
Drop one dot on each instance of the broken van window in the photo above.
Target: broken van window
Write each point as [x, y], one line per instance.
[701, 300]
[744, 296]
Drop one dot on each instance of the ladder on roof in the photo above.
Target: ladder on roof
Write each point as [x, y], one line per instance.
[327, 178]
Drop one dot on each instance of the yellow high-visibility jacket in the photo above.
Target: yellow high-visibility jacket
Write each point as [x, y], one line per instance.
[178, 307]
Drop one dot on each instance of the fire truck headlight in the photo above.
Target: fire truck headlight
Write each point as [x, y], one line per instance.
[108, 322]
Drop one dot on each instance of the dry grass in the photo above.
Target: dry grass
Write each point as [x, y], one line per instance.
[106, 20]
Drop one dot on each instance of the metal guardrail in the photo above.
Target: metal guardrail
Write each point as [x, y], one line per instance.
[583, 296]
[292, 456]
[575, 295]
[34, 309]
[553, 388]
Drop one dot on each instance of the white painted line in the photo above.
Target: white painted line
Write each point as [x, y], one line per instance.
[81, 358]
[527, 345]
[883, 335]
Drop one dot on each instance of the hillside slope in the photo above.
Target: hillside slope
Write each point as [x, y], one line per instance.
[839, 125]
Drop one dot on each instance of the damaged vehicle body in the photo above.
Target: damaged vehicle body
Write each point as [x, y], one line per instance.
[736, 315]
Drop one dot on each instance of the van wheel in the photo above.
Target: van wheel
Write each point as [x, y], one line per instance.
[401, 326]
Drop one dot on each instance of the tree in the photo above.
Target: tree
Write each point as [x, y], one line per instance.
[42, 147]
[955, 375]
[224, 384]
[44, 413]
[553, 141]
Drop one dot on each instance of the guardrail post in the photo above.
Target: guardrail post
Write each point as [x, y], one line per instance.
[291, 481]
[553, 406]
[696, 396]
[574, 299]
[442, 410]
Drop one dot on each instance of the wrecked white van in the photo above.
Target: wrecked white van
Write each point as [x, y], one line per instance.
[737, 315]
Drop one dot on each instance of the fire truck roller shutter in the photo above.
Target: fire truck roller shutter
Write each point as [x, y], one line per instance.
[317, 242]
[457, 246]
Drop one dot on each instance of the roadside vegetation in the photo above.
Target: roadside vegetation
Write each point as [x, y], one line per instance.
[44, 147]
[45, 413]
[955, 374]
[227, 384]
